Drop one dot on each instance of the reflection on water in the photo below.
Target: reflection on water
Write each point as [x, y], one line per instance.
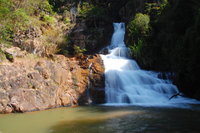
[104, 120]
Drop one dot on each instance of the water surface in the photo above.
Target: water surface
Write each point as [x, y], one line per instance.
[104, 119]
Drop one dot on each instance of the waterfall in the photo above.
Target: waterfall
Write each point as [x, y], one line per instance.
[126, 83]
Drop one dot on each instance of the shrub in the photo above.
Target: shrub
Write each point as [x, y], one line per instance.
[138, 32]
[21, 19]
[78, 50]
[46, 7]
[155, 9]
[89, 10]
[48, 19]
[67, 20]
[164, 4]
[5, 6]
[84, 9]
[2, 55]
[6, 33]
[66, 17]
[139, 26]
[136, 48]
[11, 20]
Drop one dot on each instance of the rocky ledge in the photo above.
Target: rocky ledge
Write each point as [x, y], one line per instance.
[28, 85]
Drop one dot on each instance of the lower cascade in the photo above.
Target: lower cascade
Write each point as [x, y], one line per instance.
[126, 83]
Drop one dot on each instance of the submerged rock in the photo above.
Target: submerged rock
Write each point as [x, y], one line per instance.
[39, 84]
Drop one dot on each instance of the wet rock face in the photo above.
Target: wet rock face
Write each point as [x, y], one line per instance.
[96, 81]
[40, 84]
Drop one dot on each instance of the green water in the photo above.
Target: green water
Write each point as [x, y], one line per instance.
[101, 119]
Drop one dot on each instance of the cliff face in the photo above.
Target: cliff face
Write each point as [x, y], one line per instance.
[94, 31]
[38, 84]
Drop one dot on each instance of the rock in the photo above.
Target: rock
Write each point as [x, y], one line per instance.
[1, 108]
[96, 81]
[15, 52]
[104, 51]
[98, 95]
[34, 46]
[28, 85]
[9, 57]
[87, 33]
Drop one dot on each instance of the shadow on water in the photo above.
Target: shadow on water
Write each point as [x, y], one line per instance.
[95, 122]
[133, 120]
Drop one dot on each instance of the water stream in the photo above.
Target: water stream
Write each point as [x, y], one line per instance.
[127, 84]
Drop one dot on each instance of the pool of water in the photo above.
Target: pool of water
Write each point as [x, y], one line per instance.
[104, 119]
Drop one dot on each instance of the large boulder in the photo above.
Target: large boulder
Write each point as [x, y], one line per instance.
[38, 84]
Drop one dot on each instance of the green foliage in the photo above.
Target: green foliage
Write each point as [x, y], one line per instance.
[85, 8]
[64, 47]
[21, 19]
[66, 17]
[11, 20]
[48, 19]
[6, 33]
[67, 20]
[32, 7]
[164, 4]
[5, 10]
[136, 48]
[57, 4]
[154, 10]
[89, 10]
[173, 42]
[2, 55]
[5, 6]
[61, 5]
[9, 27]
[141, 32]
[78, 50]
[15, 16]
[139, 26]
[9, 57]
[46, 7]
[138, 31]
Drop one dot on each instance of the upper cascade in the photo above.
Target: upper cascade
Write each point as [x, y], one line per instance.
[126, 83]
[118, 36]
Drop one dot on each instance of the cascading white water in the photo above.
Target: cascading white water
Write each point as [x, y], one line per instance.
[126, 83]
